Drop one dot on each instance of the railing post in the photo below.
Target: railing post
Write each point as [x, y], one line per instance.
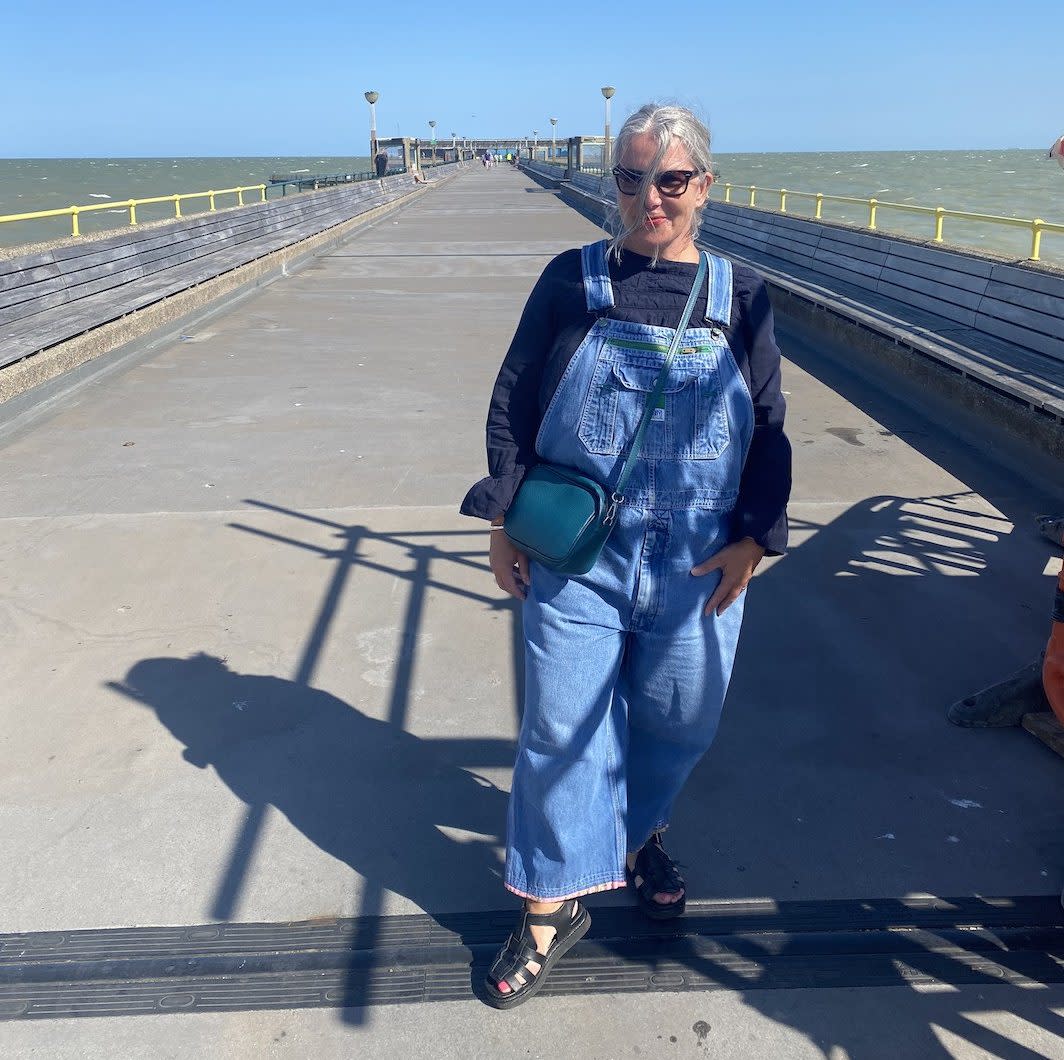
[940, 216]
[872, 204]
[753, 194]
[132, 204]
[74, 230]
[262, 192]
[240, 194]
[177, 206]
[210, 201]
[727, 193]
[1036, 238]
[819, 204]
[783, 200]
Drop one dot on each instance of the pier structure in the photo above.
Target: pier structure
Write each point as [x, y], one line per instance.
[261, 694]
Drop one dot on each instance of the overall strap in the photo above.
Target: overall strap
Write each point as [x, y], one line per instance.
[659, 386]
[719, 296]
[598, 289]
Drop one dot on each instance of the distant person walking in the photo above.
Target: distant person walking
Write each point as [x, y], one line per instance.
[380, 161]
[626, 666]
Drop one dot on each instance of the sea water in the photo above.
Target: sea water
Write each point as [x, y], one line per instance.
[31, 184]
[1018, 183]
[1014, 183]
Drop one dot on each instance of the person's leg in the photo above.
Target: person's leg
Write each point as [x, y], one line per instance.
[677, 671]
[674, 712]
[567, 804]
[565, 830]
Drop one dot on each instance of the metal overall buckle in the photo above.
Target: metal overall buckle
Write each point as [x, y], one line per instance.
[611, 511]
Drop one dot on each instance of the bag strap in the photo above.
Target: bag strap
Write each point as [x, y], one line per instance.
[659, 388]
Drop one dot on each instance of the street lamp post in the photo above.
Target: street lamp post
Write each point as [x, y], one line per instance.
[608, 93]
[432, 126]
[553, 144]
[535, 143]
[371, 99]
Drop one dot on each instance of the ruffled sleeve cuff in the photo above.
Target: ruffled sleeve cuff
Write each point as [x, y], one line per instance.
[491, 496]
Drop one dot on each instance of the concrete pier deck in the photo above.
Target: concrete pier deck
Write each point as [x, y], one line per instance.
[256, 670]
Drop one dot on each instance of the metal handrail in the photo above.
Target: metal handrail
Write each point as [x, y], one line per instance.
[1036, 225]
[74, 212]
[131, 205]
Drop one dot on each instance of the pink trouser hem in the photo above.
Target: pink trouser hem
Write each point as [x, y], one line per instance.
[613, 885]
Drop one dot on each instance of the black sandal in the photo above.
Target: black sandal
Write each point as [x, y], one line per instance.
[571, 921]
[655, 873]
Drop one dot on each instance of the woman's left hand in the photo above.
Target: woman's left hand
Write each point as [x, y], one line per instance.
[737, 563]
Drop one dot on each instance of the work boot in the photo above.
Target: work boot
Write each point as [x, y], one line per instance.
[1003, 704]
[1052, 527]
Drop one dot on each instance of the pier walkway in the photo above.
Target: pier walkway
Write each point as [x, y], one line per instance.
[256, 672]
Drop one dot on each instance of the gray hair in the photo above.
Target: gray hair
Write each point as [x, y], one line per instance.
[665, 122]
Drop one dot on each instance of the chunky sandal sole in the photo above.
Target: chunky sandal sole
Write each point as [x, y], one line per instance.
[558, 949]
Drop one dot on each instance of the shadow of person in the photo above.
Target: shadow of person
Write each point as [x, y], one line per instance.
[362, 790]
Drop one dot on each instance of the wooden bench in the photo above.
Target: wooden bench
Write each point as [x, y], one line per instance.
[54, 295]
[995, 321]
[999, 323]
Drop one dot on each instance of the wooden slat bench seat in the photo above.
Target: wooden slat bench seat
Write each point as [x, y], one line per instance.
[996, 322]
[51, 296]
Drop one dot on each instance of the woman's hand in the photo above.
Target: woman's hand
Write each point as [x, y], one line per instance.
[508, 564]
[737, 563]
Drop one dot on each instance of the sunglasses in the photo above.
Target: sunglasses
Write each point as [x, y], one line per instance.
[672, 183]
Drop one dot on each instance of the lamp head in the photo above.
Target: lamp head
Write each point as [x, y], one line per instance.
[608, 91]
[372, 97]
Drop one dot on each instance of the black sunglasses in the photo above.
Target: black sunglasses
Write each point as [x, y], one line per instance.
[672, 183]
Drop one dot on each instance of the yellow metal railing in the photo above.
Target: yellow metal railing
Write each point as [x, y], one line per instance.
[74, 212]
[1036, 226]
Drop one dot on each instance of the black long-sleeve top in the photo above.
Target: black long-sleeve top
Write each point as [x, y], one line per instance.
[554, 323]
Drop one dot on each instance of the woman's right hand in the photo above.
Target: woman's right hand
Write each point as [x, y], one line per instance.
[509, 565]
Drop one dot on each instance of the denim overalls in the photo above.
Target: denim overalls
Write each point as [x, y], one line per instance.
[624, 675]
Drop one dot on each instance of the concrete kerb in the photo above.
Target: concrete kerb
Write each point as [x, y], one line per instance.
[57, 360]
[1020, 419]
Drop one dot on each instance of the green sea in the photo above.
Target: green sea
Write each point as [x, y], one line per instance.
[1013, 183]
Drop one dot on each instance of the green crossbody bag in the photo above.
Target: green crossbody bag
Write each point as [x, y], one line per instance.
[562, 517]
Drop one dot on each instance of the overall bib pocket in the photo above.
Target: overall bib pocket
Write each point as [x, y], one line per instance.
[691, 422]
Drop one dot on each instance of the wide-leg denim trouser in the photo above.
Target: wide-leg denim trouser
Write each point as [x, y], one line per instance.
[625, 678]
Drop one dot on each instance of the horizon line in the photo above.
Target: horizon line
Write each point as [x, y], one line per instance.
[304, 155]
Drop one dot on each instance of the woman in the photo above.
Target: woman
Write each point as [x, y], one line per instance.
[627, 666]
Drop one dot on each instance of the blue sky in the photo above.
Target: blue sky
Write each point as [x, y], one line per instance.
[280, 78]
